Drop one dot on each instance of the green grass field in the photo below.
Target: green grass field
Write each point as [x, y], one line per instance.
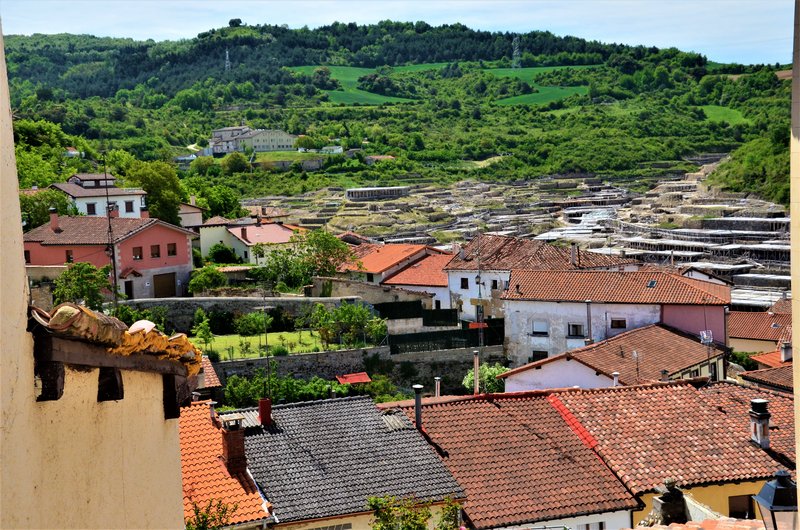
[545, 94]
[527, 74]
[726, 114]
[286, 155]
[348, 78]
[294, 341]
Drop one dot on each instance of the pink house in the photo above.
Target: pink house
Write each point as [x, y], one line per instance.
[153, 258]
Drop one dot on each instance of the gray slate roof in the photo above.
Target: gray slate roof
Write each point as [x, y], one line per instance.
[326, 458]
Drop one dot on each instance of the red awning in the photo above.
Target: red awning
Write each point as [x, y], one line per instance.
[359, 377]
[478, 325]
[128, 271]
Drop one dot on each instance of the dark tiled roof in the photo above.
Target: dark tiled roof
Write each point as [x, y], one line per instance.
[326, 458]
[647, 434]
[649, 287]
[518, 460]
[780, 377]
[75, 190]
[509, 253]
[760, 325]
[84, 230]
[658, 347]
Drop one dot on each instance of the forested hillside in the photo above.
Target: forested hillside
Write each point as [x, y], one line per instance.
[444, 101]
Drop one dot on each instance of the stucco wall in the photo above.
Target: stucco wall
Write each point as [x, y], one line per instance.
[694, 319]
[557, 374]
[558, 315]
[369, 293]
[715, 497]
[100, 204]
[56, 254]
[752, 345]
[156, 235]
[612, 520]
[464, 297]
[440, 294]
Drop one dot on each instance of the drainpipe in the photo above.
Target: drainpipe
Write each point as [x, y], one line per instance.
[589, 339]
[476, 365]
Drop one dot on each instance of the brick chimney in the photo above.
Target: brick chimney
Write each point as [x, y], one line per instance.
[144, 212]
[573, 254]
[244, 233]
[193, 200]
[265, 411]
[233, 444]
[759, 422]
[113, 211]
[54, 220]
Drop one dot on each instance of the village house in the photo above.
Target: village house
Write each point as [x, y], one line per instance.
[153, 259]
[615, 446]
[190, 214]
[781, 355]
[376, 262]
[242, 235]
[426, 275]
[778, 378]
[480, 271]
[651, 353]
[756, 331]
[243, 138]
[550, 312]
[315, 464]
[93, 194]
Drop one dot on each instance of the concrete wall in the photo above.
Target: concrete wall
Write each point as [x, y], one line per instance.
[180, 311]
[405, 369]
[558, 374]
[120, 200]
[612, 520]
[369, 293]
[440, 294]
[558, 315]
[753, 345]
[695, 318]
[44, 272]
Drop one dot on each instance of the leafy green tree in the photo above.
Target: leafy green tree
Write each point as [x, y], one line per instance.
[206, 278]
[392, 513]
[36, 207]
[201, 165]
[221, 253]
[164, 192]
[83, 283]
[212, 516]
[234, 163]
[202, 330]
[251, 324]
[223, 201]
[487, 377]
[323, 252]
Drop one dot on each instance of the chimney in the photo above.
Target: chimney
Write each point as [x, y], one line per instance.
[615, 375]
[517, 289]
[665, 375]
[233, 444]
[111, 207]
[438, 386]
[144, 212]
[258, 220]
[573, 254]
[476, 370]
[759, 422]
[244, 233]
[54, 220]
[418, 406]
[265, 411]
[786, 352]
[193, 200]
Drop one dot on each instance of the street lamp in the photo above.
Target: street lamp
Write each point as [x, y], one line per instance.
[777, 502]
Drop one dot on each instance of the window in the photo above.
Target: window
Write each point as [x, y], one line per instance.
[537, 355]
[370, 277]
[172, 249]
[437, 304]
[712, 371]
[465, 283]
[137, 253]
[27, 256]
[539, 328]
[494, 284]
[575, 330]
[91, 208]
[592, 526]
[155, 251]
[619, 323]
[68, 257]
[741, 507]
[694, 373]
[129, 206]
[109, 384]
[245, 255]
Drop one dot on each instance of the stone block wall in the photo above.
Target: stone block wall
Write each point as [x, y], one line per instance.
[369, 293]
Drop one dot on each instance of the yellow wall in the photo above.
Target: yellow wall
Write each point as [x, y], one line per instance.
[359, 522]
[752, 345]
[715, 497]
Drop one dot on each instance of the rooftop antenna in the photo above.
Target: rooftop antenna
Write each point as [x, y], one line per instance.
[707, 339]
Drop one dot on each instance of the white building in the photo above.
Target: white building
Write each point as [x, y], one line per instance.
[549, 312]
[90, 193]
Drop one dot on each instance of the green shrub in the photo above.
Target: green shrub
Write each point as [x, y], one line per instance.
[252, 324]
[279, 351]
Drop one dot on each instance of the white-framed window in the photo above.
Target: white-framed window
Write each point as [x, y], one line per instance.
[575, 330]
[592, 526]
[91, 208]
[619, 323]
[539, 328]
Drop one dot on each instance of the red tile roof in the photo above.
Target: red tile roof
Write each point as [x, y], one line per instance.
[649, 287]
[268, 233]
[711, 524]
[509, 253]
[88, 230]
[210, 378]
[770, 359]
[780, 377]
[205, 476]
[784, 305]
[376, 258]
[427, 272]
[761, 325]
[517, 460]
[358, 377]
[658, 347]
[647, 434]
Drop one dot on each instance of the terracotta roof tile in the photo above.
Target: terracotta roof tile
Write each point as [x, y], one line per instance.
[659, 348]
[711, 524]
[649, 287]
[761, 325]
[784, 305]
[376, 258]
[647, 434]
[358, 377]
[205, 477]
[210, 379]
[268, 233]
[773, 359]
[509, 253]
[512, 452]
[84, 230]
[780, 377]
[427, 272]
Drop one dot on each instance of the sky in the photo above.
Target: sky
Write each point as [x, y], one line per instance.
[743, 31]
